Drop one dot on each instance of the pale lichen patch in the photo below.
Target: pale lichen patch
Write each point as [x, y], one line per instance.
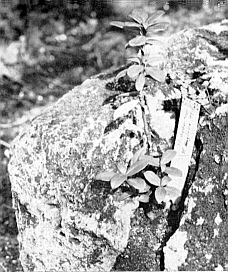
[218, 219]
[190, 203]
[216, 233]
[200, 221]
[205, 188]
[175, 252]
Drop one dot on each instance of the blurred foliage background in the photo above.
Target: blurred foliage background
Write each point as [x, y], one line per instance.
[48, 47]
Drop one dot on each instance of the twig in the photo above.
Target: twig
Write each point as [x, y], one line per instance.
[4, 143]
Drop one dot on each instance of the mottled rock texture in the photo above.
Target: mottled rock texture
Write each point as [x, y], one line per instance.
[68, 221]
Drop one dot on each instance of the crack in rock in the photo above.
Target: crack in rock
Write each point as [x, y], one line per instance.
[172, 249]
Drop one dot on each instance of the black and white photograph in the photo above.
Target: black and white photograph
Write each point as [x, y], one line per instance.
[113, 135]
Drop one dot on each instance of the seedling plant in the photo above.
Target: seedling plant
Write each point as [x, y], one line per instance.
[145, 174]
[144, 181]
[149, 61]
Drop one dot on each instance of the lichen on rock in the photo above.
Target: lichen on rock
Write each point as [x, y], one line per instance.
[68, 221]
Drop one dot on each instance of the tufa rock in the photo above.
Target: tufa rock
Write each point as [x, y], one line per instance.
[68, 221]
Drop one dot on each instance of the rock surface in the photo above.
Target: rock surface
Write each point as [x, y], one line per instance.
[68, 221]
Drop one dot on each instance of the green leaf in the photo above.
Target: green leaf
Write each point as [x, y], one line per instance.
[136, 18]
[121, 74]
[134, 59]
[105, 176]
[147, 50]
[138, 154]
[125, 24]
[152, 178]
[172, 193]
[139, 184]
[140, 82]
[131, 25]
[160, 194]
[167, 156]
[137, 41]
[151, 160]
[117, 24]
[134, 70]
[117, 180]
[136, 167]
[139, 15]
[156, 73]
[165, 180]
[155, 42]
[173, 171]
[125, 108]
[145, 198]
[157, 28]
[155, 61]
[153, 17]
[122, 168]
[124, 196]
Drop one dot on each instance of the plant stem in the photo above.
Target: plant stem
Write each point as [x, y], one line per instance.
[146, 128]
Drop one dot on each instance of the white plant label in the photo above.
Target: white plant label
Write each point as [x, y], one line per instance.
[185, 139]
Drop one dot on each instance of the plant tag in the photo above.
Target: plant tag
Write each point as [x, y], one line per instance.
[185, 139]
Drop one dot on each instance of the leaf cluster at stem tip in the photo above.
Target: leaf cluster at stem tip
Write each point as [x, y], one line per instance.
[131, 175]
[149, 60]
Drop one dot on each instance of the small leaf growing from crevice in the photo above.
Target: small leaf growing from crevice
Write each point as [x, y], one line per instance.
[137, 41]
[160, 194]
[122, 168]
[151, 160]
[145, 198]
[125, 24]
[155, 61]
[157, 28]
[117, 180]
[173, 171]
[121, 74]
[105, 176]
[139, 184]
[152, 178]
[138, 154]
[134, 70]
[136, 167]
[167, 156]
[139, 15]
[134, 59]
[172, 193]
[125, 108]
[140, 82]
[153, 17]
[165, 180]
[156, 73]
[117, 24]
[131, 24]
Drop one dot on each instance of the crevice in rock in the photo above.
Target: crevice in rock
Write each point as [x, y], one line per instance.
[174, 216]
